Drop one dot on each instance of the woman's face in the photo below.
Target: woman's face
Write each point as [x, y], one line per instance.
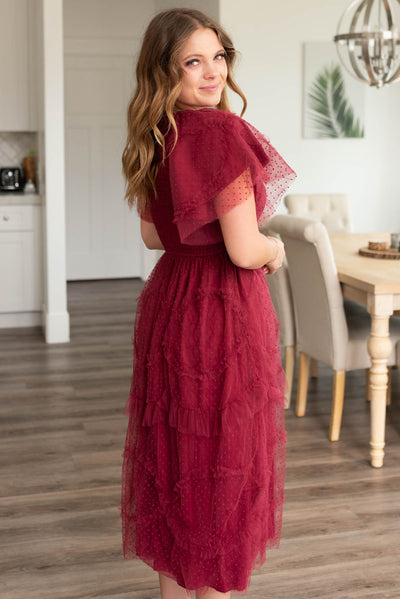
[203, 64]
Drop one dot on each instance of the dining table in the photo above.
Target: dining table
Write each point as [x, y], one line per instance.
[375, 283]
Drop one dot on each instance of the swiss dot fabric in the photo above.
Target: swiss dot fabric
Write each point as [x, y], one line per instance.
[203, 468]
[214, 148]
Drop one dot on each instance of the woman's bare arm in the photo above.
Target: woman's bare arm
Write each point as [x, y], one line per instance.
[150, 236]
[246, 246]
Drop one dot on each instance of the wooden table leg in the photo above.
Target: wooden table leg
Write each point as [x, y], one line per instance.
[379, 348]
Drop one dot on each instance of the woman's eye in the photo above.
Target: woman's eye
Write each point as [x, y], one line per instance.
[195, 61]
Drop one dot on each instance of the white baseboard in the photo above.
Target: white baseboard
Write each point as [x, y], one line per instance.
[56, 327]
[11, 320]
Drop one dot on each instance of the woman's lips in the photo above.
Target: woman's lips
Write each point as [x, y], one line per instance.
[210, 89]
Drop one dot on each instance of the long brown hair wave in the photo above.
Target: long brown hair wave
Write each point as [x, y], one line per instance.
[159, 76]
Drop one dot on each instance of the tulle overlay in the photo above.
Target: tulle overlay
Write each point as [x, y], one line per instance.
[204, 456]
[203, 468]
[213, 150]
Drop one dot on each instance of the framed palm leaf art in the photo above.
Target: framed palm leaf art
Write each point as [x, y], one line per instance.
[333, 102]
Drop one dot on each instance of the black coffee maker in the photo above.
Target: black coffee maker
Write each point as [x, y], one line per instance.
[11, 179]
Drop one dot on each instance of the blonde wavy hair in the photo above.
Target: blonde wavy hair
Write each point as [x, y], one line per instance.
[159, 76]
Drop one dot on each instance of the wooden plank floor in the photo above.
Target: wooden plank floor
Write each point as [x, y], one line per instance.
[61, 438]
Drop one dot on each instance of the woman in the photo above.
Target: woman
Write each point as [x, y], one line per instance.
[203, 471]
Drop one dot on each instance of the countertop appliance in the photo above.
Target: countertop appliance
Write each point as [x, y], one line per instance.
[11, 179]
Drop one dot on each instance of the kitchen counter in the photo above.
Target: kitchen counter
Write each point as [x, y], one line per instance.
[19, 199]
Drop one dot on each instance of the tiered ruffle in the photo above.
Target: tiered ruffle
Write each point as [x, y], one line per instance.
[203, 467]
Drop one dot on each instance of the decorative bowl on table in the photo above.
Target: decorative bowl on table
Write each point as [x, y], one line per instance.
[378, 245]
[380, 249]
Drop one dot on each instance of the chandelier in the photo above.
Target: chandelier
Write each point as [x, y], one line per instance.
[368, 41]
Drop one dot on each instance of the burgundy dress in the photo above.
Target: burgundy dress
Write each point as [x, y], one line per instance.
[203, 470]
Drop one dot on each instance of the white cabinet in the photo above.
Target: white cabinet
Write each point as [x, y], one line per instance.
[18, 65]
[20, 266]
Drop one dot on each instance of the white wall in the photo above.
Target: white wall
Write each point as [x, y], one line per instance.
[106, 18]
[270, 36]
[119, 23]
[210, 7]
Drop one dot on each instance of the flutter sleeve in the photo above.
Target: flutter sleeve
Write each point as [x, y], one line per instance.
[218, 162]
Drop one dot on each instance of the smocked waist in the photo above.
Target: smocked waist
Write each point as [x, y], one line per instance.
[196, 250]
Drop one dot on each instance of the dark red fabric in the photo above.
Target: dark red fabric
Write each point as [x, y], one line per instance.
[203, 469]
[213, 149]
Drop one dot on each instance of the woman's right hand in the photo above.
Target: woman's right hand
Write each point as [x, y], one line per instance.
[277, 256]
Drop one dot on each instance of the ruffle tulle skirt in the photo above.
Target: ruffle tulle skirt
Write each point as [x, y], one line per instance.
[204, 459]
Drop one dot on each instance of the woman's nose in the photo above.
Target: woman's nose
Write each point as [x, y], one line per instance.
[210, 70]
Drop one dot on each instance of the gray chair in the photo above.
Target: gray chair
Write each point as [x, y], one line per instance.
[331, 209]
[281, 295]
[328, 329]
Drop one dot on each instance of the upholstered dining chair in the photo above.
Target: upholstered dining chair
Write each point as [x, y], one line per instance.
[281, 295]
[328, 329]
[331, 209]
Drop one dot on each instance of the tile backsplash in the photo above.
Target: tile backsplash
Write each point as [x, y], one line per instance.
[14, 146]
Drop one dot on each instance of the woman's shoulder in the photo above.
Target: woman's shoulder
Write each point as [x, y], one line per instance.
[208, 128]
[194, 121]
[209, 132]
